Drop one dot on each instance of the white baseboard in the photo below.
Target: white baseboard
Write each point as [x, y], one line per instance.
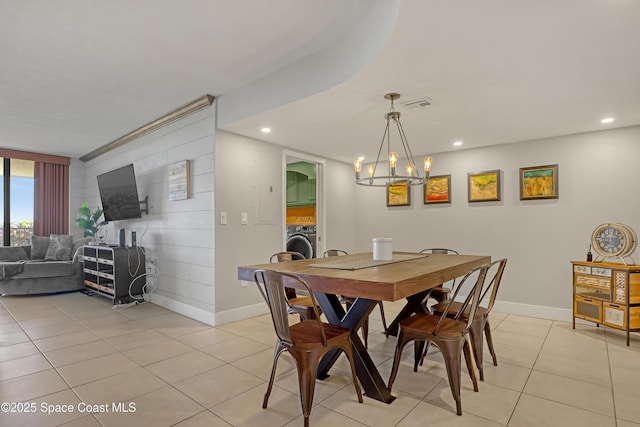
[184, 309]
[539, 311]
[241, 313]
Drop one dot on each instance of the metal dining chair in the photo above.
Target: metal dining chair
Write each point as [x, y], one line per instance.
[298, 304]
[440, 293]
[449, 334]
[307, 341]
[348, 301]
[481, 319]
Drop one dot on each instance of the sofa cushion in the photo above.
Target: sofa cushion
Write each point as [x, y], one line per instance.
[59, 249]
[39, 246]
[13, 253]
[38, 269]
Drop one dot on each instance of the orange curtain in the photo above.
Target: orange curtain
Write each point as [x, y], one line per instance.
[51, 203]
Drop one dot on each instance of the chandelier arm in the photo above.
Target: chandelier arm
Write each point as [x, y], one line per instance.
[407, 149]
[386, 132]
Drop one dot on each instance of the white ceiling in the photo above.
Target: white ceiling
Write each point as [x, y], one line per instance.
[79, 74]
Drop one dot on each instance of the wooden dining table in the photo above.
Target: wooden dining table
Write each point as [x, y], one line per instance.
[407, 275]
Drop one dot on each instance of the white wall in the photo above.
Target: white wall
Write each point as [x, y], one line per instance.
[249, 176]
[76, 195]
[178, 234]
[597, 184]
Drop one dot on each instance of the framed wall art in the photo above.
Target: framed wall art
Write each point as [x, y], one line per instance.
[179, 180]
[539, 182]
[437, 190]
[398, 194]
[484, 186]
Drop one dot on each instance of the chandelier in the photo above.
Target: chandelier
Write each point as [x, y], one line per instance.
[412, 176]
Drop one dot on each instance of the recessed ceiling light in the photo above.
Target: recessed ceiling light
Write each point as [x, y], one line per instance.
[265, 130]
[457, 143]
[607, 120]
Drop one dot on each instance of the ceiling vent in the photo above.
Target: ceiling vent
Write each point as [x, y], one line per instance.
[417, 104]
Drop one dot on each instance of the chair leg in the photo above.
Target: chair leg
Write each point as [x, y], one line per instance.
[451, 351]
[401, 342]
[307, 367]
[471, 366]
[279, 349]
[365, 333]
[424, 353]
[349, 353]
[417, 352]
[476, 341]
[384, 321]
[487, 333]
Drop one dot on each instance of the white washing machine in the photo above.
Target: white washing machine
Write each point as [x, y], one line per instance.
[303, 239]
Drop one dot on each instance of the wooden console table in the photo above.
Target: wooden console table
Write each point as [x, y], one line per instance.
[607, 293]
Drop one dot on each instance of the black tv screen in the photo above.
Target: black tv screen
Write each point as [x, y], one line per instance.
[119, 194]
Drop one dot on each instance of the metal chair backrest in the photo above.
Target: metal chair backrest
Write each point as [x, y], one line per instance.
[272, 287]
[439, 251]
[334, 252]
[494, 284]
[442, 251]
[471, 302]
[286, 256]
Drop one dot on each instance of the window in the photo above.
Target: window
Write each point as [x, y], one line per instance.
[16, 201]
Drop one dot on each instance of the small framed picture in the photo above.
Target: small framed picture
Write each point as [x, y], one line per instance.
[398, 194]
[484, 186]
[437, 190]
[539, 182]
[179, 180]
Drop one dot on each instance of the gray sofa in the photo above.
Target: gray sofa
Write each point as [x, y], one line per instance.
[25, 271]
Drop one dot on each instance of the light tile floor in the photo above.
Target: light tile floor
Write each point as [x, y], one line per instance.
[81, 360]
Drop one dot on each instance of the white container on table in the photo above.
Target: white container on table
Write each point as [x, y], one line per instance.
[382, 248]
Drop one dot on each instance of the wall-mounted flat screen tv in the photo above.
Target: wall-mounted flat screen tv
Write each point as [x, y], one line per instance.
[119, 194]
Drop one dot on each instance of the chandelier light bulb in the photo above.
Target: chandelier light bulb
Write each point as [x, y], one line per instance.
[393, 160]
[427, 164]
[371, 170]
[357, 166]
[409, 169]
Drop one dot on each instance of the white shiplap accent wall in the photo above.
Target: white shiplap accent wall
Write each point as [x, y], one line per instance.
[179, 235]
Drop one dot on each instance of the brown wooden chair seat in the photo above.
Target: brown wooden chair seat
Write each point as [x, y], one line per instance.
[481, 319]
[348, 301]
[299, 304]
[307, 341]
[449, 334]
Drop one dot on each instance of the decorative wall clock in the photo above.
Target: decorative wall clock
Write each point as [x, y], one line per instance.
[614, 241]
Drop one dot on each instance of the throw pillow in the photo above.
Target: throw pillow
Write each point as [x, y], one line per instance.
[13, 253]
[76, 250]
[59, 248]
[39, 246]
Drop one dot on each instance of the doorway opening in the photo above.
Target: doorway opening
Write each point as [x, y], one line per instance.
[303, 178]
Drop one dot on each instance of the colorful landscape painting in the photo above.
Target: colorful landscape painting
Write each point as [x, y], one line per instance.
[438, 189]
[484, 186]
[539, 182]
[398, 194]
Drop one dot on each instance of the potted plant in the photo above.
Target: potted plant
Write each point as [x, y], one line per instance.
[88, 220]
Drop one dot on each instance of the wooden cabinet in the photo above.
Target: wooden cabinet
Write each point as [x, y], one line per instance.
[115, 272]
[607, 293]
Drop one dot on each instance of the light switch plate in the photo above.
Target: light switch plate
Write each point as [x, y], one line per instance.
[223, 218]
[244, 218]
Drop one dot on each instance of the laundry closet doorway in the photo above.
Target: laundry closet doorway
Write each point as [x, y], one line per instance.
[303, 200]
